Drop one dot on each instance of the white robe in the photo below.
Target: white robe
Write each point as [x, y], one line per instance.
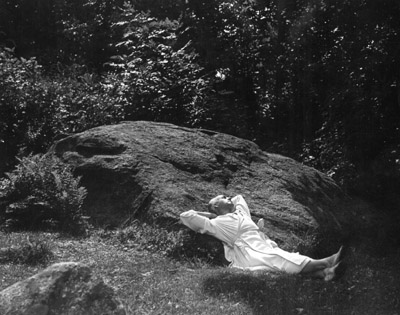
[244, 244]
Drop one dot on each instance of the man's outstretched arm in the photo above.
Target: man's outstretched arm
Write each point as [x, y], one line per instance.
[207, 214]
[198, 221]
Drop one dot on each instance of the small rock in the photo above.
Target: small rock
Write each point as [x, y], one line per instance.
[64, 289]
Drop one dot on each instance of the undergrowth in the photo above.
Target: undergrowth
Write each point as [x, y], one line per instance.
[180, 245]
[29, 251]
[42, 192]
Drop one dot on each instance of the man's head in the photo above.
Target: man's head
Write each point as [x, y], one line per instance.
[221, 205]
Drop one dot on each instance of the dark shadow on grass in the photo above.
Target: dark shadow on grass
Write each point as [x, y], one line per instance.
[275, 293]
[202, 247]
[262, 292]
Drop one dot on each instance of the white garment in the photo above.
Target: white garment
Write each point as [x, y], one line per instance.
[244, 244]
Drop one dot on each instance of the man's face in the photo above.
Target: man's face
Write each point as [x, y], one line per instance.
[222, 204]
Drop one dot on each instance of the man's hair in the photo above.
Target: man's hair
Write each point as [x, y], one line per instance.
[212, 205]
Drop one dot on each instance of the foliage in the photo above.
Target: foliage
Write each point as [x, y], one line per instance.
[308, 75]
[83, 101]
[84, 28]
[42, 192]
[232, 39]
[34, 108]
[27, 112]
[313, 80]
[158, 80]
[355, 92]
[69, 32]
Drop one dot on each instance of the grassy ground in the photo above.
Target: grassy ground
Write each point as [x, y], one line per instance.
[150, 283]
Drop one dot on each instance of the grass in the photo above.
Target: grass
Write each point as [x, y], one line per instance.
[149, 282]
[28, 251]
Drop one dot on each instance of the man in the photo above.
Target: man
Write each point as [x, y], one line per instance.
[246, 247]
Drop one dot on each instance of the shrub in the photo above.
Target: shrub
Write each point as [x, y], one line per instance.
[26, 110]
[42, 193]
[83, 101]
[35, 107]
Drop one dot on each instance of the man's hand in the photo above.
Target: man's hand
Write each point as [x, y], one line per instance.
[272, 243]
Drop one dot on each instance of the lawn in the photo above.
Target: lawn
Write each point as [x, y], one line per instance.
[152, 283]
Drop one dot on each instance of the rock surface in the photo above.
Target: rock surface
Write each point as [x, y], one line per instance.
[157, 170]
[63, 289]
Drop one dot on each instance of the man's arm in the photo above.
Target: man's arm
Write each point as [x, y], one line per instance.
[221, 227]
[198, 221]
[241, 204]
[207, 214]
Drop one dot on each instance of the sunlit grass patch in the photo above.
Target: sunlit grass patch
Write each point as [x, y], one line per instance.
[177, 289]
[29, 249]
[22, 255]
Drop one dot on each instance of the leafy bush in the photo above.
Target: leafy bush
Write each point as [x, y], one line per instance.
[326, 154]
[83, 102]
[42, 192]
[26, 109]
[158, 78]
[34, 108]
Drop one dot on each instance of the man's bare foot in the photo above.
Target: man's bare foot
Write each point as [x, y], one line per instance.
[336, 257]
[330, 273]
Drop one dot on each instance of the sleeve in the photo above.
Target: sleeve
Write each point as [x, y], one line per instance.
[241, 204]
[223, 227]
[197, 222]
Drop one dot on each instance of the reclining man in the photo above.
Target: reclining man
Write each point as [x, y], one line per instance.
[246, 247]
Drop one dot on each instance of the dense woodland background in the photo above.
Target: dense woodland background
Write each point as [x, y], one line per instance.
[317, 80]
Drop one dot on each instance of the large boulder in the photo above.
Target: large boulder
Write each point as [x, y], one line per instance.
[62, 289]
[157, 170]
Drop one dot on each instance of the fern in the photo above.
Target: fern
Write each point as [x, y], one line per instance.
[42, 192]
